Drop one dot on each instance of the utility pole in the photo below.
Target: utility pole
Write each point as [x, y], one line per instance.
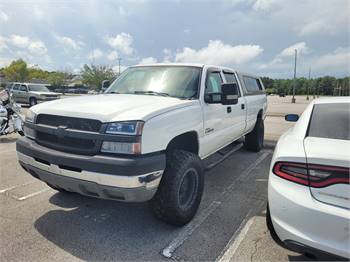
[295, 75]
[308, 84]
[119, 59]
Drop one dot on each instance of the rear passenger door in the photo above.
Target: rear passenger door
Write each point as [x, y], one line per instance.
[237, 112]
[22, 94]
[255, 98]
[15, 92]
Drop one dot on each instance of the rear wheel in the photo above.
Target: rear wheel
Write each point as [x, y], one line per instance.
[32, 101]
[180, 190]
[254, 141]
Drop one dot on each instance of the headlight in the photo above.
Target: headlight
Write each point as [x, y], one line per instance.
[125, 128]
[121, 148]
[30, 116]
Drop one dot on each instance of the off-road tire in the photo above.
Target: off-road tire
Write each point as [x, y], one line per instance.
[254, 141]
[32, 101]
[168, 203]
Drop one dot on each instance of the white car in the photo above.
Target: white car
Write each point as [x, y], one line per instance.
[145, 137]
[308, 189]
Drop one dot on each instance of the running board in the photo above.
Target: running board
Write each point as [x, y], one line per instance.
[224, 156]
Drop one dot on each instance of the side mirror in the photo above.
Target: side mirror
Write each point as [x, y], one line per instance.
[229, 94]
[291, 117]
[212, 98]
[105, 84]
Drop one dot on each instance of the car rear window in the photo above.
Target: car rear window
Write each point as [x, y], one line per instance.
[330, 121]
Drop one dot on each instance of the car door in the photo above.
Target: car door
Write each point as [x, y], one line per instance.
[217, 119]
[15, 92]
[23, 93]
[238, 111]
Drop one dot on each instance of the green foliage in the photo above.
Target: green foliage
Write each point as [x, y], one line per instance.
[93, 75]
[56, 79]
[37, 73]
[17, 71]
[326, 86]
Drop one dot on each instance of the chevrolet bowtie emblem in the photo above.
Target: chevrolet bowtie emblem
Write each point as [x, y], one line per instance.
[61, 130]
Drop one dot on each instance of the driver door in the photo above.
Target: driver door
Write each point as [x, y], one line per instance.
[217, 119]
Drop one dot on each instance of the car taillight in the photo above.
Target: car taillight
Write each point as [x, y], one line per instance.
[312, 175]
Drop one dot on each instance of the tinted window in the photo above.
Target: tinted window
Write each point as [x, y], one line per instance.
[23, 88]
[38, 88]
[230, 78]
[213, 83]
[330, 121]
[15, 87]
[252, 84]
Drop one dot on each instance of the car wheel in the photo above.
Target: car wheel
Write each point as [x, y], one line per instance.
[180, 190]
[32, 101]
[254, 141]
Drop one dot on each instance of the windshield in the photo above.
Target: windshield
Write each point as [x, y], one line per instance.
[174, 81]
[40, 88]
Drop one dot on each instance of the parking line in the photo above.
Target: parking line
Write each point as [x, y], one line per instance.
[236, 240]
[31, 195]
[187, 231]
[13, 187]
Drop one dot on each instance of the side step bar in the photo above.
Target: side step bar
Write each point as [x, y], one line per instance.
[224, 156]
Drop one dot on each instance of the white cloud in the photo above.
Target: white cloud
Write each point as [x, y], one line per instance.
[219, 53]
[19, 41]
[112, 55]
[187, 31]
[337, 61]
[69, 42]
[265, 5]
[148, 60]
[122, 42]
[3, 44]
[95, 54]
[167, 55]
[122, 11]
[3, 16]
[301, 47]
[37, 48]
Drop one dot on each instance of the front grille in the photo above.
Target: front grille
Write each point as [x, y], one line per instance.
[70, 122]
[69, 144]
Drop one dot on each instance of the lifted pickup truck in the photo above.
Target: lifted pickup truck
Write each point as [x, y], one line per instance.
[145, 137]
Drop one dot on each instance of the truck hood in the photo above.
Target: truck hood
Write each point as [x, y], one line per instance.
[112, 107]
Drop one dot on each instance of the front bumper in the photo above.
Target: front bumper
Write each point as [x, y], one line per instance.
[130, 179]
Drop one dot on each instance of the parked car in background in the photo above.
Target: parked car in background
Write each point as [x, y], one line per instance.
[27, 93]
[308, 189]
[145, 137]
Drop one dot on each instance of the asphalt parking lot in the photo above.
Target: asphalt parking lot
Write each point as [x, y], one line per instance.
[40, 224]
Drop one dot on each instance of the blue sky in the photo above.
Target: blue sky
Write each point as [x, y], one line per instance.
[257, 36]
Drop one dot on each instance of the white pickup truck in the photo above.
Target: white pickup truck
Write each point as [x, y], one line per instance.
[145, 137]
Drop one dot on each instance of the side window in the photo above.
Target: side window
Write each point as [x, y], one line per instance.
[213, 83]
[231, 78]
[16, 87]
[23, 88]
[252, 84]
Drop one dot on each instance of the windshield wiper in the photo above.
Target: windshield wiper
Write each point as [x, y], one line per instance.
[113, 92]
[151, 93]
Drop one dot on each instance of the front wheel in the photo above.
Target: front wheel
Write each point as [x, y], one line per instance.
[32, 101]
[180, 190]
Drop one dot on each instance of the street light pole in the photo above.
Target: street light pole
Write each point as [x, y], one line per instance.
[308, 85]
[295, 75]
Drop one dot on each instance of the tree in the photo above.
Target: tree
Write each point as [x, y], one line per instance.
[56, 79]
[17, 71]
[93, 75]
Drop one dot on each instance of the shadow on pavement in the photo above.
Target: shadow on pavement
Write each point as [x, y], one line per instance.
[93, 229]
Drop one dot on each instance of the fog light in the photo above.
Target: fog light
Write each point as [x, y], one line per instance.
[28, 132]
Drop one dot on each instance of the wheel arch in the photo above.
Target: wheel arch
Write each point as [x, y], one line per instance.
[187, 141]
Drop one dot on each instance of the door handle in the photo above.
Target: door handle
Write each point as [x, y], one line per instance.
[229, 109]
[242, 106]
